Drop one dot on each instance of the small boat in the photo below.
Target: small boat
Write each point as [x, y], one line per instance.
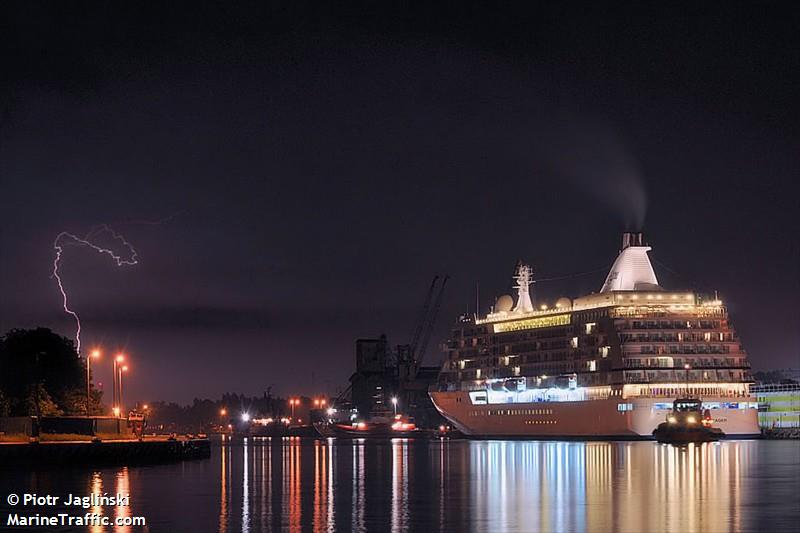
[378, 426]
[687, 423]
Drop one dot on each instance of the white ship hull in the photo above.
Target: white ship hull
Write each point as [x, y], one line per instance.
[591, 419]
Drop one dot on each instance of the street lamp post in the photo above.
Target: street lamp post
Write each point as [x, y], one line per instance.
[115, 400]
[117, 359]
[394, 404]
[95, 354]
[121, 370]
[292, 403]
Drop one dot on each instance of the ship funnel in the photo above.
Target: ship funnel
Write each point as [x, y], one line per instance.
[632, 270]
[632, 239]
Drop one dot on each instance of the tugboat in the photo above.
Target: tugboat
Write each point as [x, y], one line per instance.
[687, 423]
[377, 426]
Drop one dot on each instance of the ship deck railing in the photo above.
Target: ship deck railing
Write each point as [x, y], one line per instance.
[775, 387]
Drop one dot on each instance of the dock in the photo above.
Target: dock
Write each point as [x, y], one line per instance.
[106, 453]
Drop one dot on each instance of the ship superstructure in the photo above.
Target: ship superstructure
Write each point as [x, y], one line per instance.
[605, 365]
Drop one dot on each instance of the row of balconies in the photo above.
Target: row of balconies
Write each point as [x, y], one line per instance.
[638, 338]
[644, 364]
[678, 377]
[682, 349]
[668, 325]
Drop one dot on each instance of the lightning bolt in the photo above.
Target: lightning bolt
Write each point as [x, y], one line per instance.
[64, 238]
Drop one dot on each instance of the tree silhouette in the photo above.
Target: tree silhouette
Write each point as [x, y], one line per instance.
[40, 372]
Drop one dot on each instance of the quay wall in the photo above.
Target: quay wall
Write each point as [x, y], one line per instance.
[32, 426]
[119, 452]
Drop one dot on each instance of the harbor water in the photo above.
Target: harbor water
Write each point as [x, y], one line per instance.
[294, 484]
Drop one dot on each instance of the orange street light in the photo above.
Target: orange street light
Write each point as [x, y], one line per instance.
[223, 412]
[121, 370]
[120, 357]
[94, 354]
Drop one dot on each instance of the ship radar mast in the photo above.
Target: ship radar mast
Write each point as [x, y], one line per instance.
[524, 277]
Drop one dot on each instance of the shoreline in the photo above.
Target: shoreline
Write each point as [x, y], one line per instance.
[106, 453]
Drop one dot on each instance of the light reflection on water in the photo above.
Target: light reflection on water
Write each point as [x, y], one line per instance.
[535, 486]
[298, 485]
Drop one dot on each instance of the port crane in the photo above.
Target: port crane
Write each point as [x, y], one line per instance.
[426, 321]
[409, 357]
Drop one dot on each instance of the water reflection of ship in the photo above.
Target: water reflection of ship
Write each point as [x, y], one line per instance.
[530, 486]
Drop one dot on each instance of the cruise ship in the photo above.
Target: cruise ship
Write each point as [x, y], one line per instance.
[605, 366]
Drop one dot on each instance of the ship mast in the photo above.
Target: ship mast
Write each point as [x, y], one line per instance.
[524, 278]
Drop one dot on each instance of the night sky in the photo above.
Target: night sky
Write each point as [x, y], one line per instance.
[292, 177]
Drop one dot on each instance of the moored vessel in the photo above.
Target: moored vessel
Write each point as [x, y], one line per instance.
[604, 365]
[382, 424]
[380, 427]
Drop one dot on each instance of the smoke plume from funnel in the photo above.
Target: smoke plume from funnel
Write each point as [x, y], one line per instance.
[594, 158]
